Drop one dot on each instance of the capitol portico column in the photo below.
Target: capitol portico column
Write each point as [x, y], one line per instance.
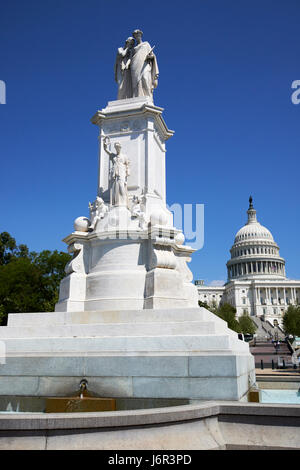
[292, 295]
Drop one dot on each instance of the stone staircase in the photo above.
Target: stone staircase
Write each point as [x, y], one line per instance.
[265, 328]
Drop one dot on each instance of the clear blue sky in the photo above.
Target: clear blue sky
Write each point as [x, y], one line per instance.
[226, 69]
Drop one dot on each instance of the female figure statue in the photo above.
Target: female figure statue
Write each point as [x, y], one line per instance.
[119, 174]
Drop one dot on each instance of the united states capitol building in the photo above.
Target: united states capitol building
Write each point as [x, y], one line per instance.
[257, 282]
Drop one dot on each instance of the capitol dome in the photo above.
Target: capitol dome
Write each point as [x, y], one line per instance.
[253, 230]
[254, 253]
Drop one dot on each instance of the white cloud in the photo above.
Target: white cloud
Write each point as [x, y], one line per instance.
[216, 283]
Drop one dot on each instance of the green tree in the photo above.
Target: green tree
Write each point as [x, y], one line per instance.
[228, 314]
[203, 304]
[9, 249]
[211, 307]
[246, 324]
[291, 320]
[28, 281]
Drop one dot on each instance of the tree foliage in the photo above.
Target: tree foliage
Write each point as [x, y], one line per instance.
[246, 324]
[29, 281]
[227, 312]
[291, 320]
[9, 249]
[211, 307]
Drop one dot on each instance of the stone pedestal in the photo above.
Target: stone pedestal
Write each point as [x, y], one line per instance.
[157, 353]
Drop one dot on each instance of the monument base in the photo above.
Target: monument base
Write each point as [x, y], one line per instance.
[173, 353]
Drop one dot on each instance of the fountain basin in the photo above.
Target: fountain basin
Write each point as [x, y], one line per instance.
[201, 426]
[77, 404]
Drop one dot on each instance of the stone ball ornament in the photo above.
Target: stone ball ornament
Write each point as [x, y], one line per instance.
[179, 239]
[81, 224]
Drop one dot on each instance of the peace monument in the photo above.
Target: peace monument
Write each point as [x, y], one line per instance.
[128, 319]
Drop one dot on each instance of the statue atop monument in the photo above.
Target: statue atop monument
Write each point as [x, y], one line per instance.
[122, 70]
[136, 69]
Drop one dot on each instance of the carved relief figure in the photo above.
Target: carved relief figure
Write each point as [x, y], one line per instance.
[119, 174]
[137, 211]
[122, 69]
[97, 212]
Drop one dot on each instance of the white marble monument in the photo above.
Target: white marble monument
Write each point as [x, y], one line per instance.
[129, 255]
[127, 318]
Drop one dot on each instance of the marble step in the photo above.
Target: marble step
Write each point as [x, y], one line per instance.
[112, 329]
[129, 344]
[122, 316]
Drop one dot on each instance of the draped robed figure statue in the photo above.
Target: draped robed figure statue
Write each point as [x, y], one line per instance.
[136, 69]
